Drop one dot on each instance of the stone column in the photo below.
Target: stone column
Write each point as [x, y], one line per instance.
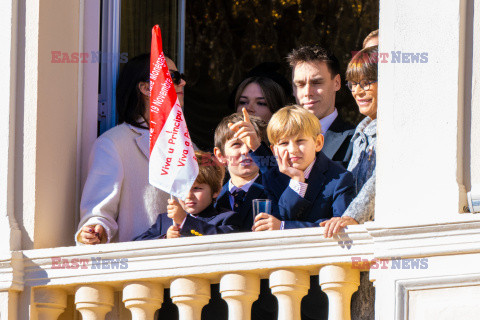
[143, 299]
[339, 283]
[289, 286]
[94, 301]
[49, 303]
[190, 295]
[240, 291]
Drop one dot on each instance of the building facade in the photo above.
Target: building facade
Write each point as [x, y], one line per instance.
[423, 245]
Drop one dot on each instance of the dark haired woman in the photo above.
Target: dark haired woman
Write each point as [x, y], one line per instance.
[362, 81]
[260, 96]
[117, 202]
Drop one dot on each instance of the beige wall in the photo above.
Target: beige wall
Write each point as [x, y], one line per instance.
[444, 303]
[50, 124]
[421, 130]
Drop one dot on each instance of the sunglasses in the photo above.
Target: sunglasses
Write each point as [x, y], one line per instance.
[176, 77]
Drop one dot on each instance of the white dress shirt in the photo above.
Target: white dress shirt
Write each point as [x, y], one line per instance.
[232, 188]
[328, 120]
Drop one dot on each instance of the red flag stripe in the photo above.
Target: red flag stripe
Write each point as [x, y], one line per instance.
[162, 91]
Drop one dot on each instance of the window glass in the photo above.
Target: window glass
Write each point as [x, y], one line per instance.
[227, 38]
[137, 21]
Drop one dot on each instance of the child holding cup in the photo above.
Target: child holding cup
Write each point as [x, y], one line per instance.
[309, 187]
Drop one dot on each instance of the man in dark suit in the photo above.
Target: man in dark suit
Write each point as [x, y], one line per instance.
[316, 80]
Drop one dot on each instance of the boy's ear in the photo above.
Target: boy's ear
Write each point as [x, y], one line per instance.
[319, 143]
[220, 157]
[215, 195]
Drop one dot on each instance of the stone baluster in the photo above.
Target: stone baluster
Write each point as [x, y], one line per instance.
[94, 301]
[190, 295]
[289, 286]
[143, 299]
[239, 291]
[339, 283]
[49, 303]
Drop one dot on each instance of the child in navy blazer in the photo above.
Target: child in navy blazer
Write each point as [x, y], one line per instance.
[245, 182]
[309, 187]
[196, 215]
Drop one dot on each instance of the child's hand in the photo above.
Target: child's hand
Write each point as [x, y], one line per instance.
[94, 234]
[264, 221]
[173, 232]
[245, 131]
[176, 212]
[334, 225]
[285, 166]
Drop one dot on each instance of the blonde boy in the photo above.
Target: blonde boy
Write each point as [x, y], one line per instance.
[309, 187]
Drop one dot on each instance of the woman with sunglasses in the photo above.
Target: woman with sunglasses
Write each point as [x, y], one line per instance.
[117, 202]
[362, 81]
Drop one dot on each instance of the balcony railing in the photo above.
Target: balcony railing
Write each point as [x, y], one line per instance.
[141, 270]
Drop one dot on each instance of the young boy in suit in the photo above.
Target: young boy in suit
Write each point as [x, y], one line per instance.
[245, 183]
[310, 188]
[196, 215]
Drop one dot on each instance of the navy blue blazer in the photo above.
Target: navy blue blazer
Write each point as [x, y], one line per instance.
[209, 221]
[337, 146]
[330, 191]
[245, 211]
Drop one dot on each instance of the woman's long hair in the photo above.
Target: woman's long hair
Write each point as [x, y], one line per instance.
[130, 104]
[272, 92]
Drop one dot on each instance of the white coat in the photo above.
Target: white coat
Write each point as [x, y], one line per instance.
[117, 194]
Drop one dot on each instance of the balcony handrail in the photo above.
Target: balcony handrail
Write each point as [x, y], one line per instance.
[169, 258]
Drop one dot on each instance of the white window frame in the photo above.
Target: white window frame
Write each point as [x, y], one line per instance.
[110, 43]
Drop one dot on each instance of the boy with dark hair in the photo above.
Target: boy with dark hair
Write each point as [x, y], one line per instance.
[196, 215]
[245, 183]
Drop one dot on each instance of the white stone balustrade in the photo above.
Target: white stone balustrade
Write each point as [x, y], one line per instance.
[190, 295]
[49, 303]
[240, 290]
[94, 301]
[339, 283]
[188, 266]
[142, 299]
[289, 286]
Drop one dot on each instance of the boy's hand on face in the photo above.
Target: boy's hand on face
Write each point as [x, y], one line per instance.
[94, 234]
[334, 225]
[245, 131]
[173, 232]
[176, 212]
[285, 166]
[264, 221]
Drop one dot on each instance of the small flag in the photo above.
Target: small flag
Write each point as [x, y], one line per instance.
[173, 167]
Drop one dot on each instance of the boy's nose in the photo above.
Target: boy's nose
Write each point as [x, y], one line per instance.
[244, 149]
[292, 147]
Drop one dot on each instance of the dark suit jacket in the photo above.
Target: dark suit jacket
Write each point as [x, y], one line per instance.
[330, 191]
[337, 145]
[209, 221]
[245, 211]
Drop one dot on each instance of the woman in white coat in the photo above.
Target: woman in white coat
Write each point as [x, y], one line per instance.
[117, 202]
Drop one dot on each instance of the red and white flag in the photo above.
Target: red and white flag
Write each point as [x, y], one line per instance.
[173, 167]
